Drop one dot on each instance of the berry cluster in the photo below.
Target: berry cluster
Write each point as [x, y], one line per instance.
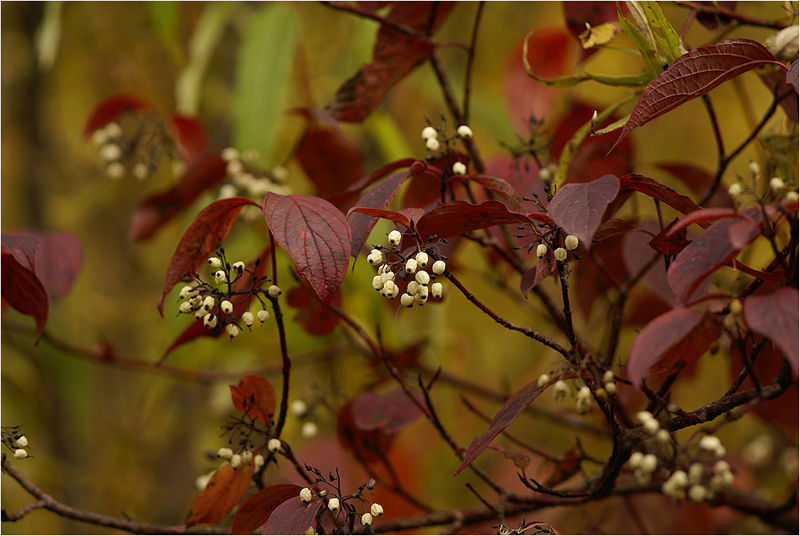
[410, 269]
[215, 306]
[776, 188]
[301, 410]
[339, 504]
[247, 180]
[706, 476]
[132, 145]
[430, 136]
[584, 398]
[15, 441]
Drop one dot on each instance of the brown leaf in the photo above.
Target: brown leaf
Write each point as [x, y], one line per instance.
[224, 491]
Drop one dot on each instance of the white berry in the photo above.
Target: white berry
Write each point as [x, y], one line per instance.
[214, 263]
[185, 307]
[305, 495]
[429, 132]
[571, 242]
[432, 144]
[407, 300]
[459, 169]
[308, 430]
[377, 282]
[376, 510]
[21, 441]
[110, 152]
[208, 303]
[220, 277]
[274, 445]
[186, 292]
[366, 519]
[20, 454]
[411, 266]
[226, 306]
[258, 461]
[541, 250]
[438, 267]
[210, 321]
[543, 379]
[777, 185]
[225, 453]
[560, 389]
[115, 171]
[262, 315]
[560, 254]
[422, 277]
[232, 330]
[436, 290]
[236, 461]
[375, 257]
[395, 237]
[274, 291]
[298, 407]
[333, 504]
[229, 153]
[464, 131]
[248, 318]
[422, 259]
[735, 190]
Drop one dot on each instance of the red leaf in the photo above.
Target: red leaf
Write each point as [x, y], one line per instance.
[366, 443]
[670, 242]
[520, 459]
[579, 208]
[693, 75]
[404, 216]
[778, 84]
[110, 109]
[255, 511]
[225, 489]
[776, 316]
[497, 185]
[55, 258]
[338, 199]
[791, 75]
[699, 181]
[293, 516]
[315, 234]
[395, 55]
[390, 412]
[544, 267]
[23, 291]
[158, 209]
[656, 190]
[312, 316]
[189, 136]
[712, 20]
[255, 397]
[454, 218]
[203, 236]
[712, 249]
[681, 335]
[23, 246]
[330, 159]
[379, 196]
[704, 215]
[503, 419]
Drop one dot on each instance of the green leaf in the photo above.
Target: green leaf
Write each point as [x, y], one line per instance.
[646, 48]
[665, 35]
[619, 123]
[207, 36]
[264, 67]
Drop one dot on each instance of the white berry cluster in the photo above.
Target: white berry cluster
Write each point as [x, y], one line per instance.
[13, 439]
[21, 443]
[652, 426]
[300, 409]
[701, 482]
[115, 152]
[430, 136]
[418, 270]
[246, 179]
[644, 466]
[584, 398]
[214, 305]
[237, 459]
[777, 186]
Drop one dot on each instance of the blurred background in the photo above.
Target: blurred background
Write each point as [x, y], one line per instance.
[130, 443]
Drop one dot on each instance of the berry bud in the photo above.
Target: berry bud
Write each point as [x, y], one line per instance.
[635, 460]
[274, 291]
[225, 453]
[438, 267]
[238, 266]
[560, 254]
[232, 330]
[140, 171]
[210, 321]
[608, 376]
[422, 277]
[735, 190]
[464, 131]
[395, 237]
[411, 266]
[428, 133]
[333, 504]
[710, 443]
[221, 277]
[248, 318]
[21, 441]
[262, 315]
[226, 306]
[644, 416]
[652, 427]
[436, 290]
[185, 307]
[208, 303]
[697, 493]
[115, 171]
[375, 257]
[214, 263]
[422, 259]
[611, 388]
[258, 461]
[543, 379]
[755, 169]
[662, 436]
[571, 242]
[459, 169]
[560, 389]
[366, 519]
[432, 144]
[185, 293]
[541, 250]
[407, 300]
[649, 463]
[274, 445]
[376, 510]
[305, 495]
[20, 454]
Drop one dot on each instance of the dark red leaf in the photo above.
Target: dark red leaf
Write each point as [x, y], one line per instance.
[497, 185]
[454, 218]
[390, 412]
[58, 262]
[338, 199]
[403, 216]
[637, 251]
[330, 159]
[704, 215]
[189, 136]
[203, 236]
[110, 109]
[791, 75]
[255, 397]
[544, 267]
[520, 459]
[315, 235]
[579, 208]
[23, 246]
[709, 251]
[699, 181]
[670, 242]
[395, 55]
[656, 190]
[678, 336]
[224, 491]
[778, 83]
[611, 228]
[293, 516]
[255, 511]
[713, 20]
[158, 209]
[693, 75]
[312, 316]
[367, 444]
[379, 196]
[776, 316]
[503, 419]
[23, 291]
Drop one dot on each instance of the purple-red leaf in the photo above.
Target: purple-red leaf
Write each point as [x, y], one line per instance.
[579, 208]
[693, 75]
[544, 267]
[670, 242]
[512, 409]
[225, 489]
[497, 185]
[330, 159]
[680, 335]
[656, 190]
[255, 397]
[23, 246]
[316, 236]
[203, 236]
[312, 316]
[256, 510]
[189, 136]
[158, 209]
[454, 218]
[55, 258]
[23, 291]
[791, 75]
[403, 216]
[713, 248]
[293, 516]
[390, 412]
[110, 109]
[776, 316]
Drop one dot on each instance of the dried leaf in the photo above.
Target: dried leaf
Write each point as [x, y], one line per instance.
[670, 242]
[224, 491]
